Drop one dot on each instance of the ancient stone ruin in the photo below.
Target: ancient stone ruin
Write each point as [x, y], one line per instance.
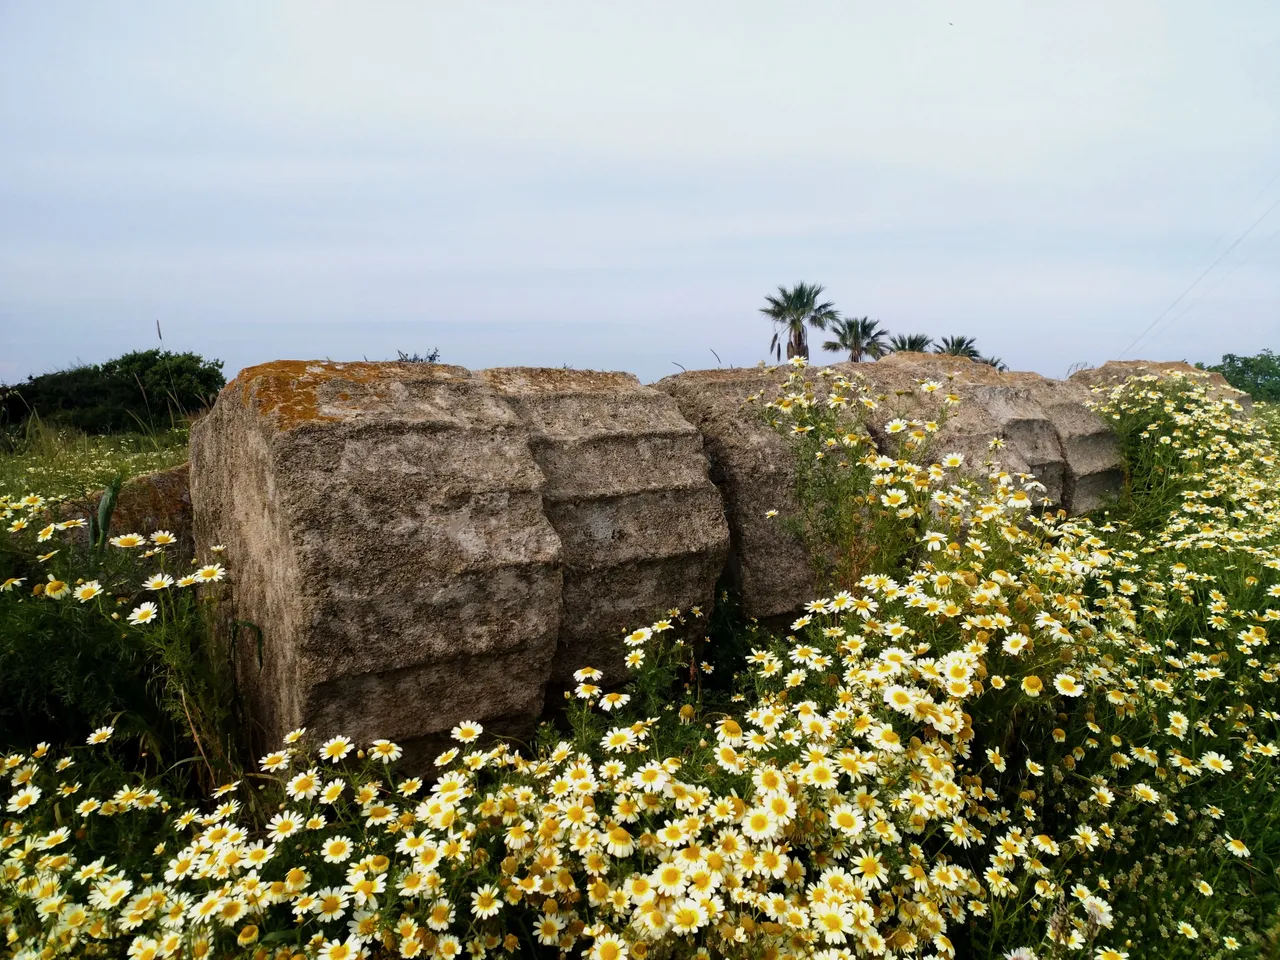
[418, 544]
[421, 544]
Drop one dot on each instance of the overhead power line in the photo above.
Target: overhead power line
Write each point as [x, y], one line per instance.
[1217, 283]
[1195, 283]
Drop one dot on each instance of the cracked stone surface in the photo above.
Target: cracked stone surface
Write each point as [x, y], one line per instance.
[1047, 428]
[1117, 371]
[422, 545]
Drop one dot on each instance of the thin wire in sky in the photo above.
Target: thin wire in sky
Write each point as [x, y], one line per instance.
[1222, 277]
[1195, 283]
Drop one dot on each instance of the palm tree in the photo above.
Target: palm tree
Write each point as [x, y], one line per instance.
[791, 310]
[994, 362]
[910, 342]
[861, 337]
[958, 347]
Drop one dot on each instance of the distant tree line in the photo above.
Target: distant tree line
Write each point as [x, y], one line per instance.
[794, 310]
[1258, 376]
[143, 390]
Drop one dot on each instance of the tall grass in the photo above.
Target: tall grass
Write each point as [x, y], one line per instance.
[64, 462]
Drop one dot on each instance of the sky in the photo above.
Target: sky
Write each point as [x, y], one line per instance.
[618, 186]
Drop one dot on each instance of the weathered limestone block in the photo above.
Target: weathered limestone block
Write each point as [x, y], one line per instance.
[754, 468]
[641, 525]
[982, 414]
[160, 500]
[421, 544]
[1047, 428]
[1116, 371]
[385, 527]
[1091, 451]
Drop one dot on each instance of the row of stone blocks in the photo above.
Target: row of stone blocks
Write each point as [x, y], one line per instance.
[421, 544]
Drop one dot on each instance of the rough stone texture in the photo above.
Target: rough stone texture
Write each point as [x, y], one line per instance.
[1115, 371]
[423, 545]
[385, 527]
[1092, 464]
[158, 501]
[1047, 428]
[753, 467]
[985, 411]
[641, 526]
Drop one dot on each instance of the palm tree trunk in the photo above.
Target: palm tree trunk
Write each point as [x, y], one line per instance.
[796, 346]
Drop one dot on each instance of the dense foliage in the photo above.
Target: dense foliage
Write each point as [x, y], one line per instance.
[151, 389]
[1258, 376]
[68, 657]
[1002, 733]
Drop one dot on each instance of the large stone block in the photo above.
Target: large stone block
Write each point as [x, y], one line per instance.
[160, 500]
[1114, 372]
[754, 468]
[420, 544]
[641, 525]
[983, 413]
[385, 526]
[1046, 425]
[1047, 429]
[1091, 452]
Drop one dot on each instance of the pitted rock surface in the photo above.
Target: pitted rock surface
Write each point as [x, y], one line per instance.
[642, 528]
[754, 468]
[1046, 425]
[417, 542]
[384, 524]
[1047, 428]
[1114, 372]
[421, 544]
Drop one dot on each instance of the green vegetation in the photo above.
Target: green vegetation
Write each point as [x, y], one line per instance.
[1000, 732]
[791, 311]
[794, 309]
[146, 390]
[913, 342]
[1258, 376]
[63, 462]
[70, 657]
[860, 337]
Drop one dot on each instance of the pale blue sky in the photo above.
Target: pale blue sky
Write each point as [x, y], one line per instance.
[618, 185]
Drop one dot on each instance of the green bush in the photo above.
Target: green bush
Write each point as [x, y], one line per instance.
[149, 389]
[1258, 376]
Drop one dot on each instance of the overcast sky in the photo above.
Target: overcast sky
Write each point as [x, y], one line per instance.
[618, 185]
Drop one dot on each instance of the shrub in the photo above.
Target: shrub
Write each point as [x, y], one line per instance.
[1024, 735]
[1258, 376]
[146, 388]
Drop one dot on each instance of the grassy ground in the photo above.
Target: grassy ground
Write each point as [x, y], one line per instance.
[60, 462]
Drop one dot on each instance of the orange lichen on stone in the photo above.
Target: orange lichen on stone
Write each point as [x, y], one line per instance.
[290, 391]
